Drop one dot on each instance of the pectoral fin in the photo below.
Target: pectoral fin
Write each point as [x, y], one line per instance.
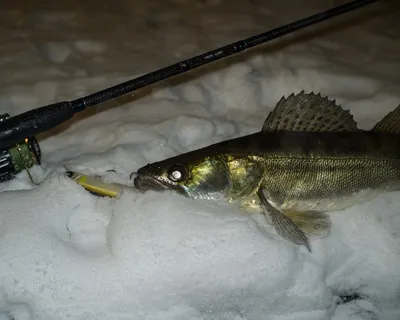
[316, 225]
[285, 226]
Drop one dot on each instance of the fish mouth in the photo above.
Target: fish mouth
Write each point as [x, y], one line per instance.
[146, 183]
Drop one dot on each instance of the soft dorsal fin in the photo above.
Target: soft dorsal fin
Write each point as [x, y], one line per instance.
[390, 123]
[309, 112]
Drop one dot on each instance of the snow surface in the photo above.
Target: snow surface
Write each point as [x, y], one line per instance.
[65, 254]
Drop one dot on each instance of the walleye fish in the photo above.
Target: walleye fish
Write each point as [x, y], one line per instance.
[309, 159]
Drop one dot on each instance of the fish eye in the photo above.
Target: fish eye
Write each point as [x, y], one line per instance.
[177, 173]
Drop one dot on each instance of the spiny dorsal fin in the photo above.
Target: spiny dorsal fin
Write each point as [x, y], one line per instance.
[309, 112]
[390, 123]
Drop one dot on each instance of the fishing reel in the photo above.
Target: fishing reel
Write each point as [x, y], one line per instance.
[18, 157]
[18, 152]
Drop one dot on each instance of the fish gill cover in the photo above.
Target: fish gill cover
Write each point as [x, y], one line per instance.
[65, 254]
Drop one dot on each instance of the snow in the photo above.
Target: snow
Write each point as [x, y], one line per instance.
[66, 254]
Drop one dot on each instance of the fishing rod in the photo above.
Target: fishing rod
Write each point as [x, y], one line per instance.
[19, 148]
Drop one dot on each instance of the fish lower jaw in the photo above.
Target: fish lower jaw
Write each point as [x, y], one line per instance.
[144, 183]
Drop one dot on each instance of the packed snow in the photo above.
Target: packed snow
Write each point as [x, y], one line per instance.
[66, 254]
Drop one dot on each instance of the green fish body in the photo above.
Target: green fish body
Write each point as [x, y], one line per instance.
[310, 158]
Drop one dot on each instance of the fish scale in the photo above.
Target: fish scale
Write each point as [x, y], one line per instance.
[361, 144]
[309, 158]
[321, 181]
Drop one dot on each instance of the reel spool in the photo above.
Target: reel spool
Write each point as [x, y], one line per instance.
[18, 157]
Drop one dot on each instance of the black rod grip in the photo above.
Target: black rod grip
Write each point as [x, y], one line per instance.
[33, 122]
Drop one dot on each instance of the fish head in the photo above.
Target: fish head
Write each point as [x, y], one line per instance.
[192, 175]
